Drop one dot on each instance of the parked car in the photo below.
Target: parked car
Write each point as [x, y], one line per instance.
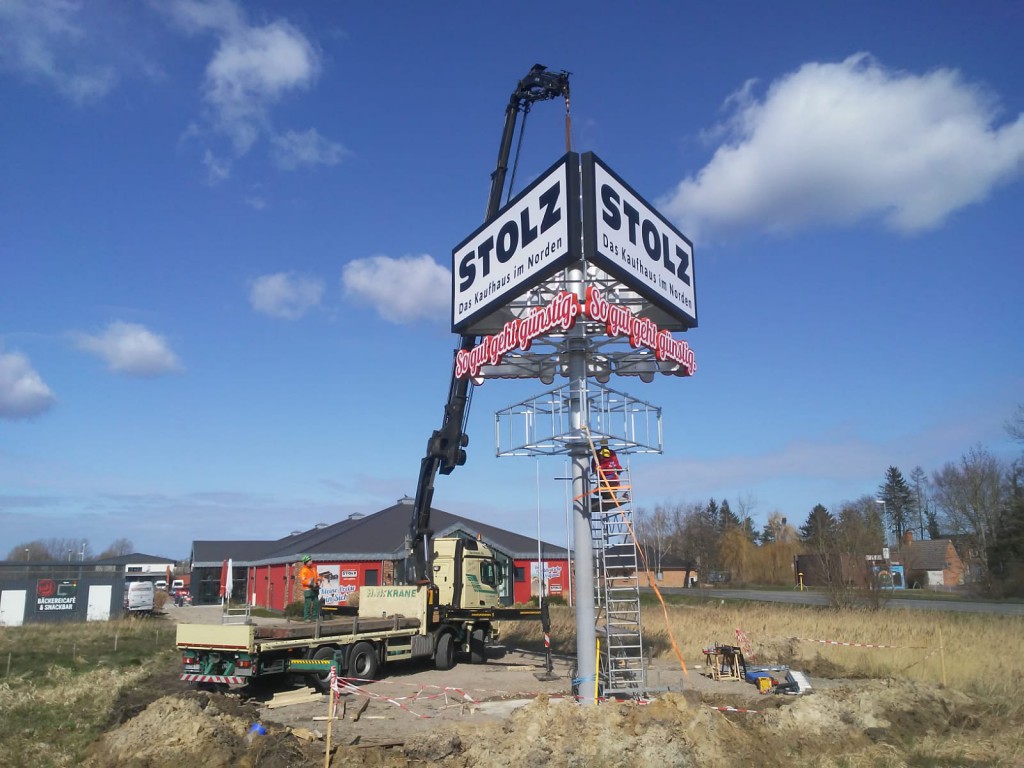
[160, 584]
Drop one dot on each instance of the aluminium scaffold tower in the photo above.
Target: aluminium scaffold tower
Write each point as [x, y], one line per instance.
[617, 589]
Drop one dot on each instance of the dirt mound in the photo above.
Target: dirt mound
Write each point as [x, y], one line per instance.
[198, 730]
[862, 722]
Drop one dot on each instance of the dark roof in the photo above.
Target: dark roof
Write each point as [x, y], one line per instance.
[206, 554]
[134, 557]
[378, 536]
[928, 555]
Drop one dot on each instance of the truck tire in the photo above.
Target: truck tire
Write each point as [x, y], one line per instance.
[322, 680]
[478, 646]
[444, 654]
[363, 661]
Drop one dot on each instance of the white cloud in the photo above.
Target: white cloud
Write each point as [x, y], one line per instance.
[400, 290]
[285, 294]
[294, 149]
[23, 393]
[253, 68]
[218, 169]
[833, 144]
[131, 348]
[46, 41]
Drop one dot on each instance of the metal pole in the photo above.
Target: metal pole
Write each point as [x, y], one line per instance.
[586, 634]
[540, 563]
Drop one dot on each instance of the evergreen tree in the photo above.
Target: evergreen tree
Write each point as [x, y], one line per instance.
[933, 524]
[711, 513]
[726, 517]
[819, 530]
[899, 502]
[777, 530]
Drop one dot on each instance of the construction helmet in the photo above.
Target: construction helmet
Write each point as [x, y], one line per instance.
[306, 558]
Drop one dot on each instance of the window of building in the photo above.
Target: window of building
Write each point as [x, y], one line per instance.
[520, 574]
[372, 577]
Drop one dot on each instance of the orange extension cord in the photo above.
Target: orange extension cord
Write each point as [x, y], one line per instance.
[604, 485]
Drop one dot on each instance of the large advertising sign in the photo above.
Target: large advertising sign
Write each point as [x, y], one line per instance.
[627, 238]
[56, 595]
[533, 237]
[335, 584]
[561, 314]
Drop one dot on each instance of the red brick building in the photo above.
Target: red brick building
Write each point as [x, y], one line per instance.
[932, 564]
[364, 550]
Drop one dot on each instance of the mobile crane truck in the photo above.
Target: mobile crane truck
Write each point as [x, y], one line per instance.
[450, 600]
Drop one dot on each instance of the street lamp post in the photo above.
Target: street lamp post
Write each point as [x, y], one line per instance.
[885, 516]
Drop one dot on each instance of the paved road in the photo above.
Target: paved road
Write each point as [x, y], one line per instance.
[816, 598]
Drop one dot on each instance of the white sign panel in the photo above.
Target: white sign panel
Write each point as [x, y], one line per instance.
[535, 235]
[630, 240]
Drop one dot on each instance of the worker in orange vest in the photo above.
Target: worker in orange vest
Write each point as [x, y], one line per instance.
[606, 466]
[309, 580]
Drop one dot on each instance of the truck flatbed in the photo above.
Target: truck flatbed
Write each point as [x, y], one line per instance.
[251, 638]
[350, 625]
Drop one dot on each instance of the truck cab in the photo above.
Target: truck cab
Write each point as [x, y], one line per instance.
[465, 573]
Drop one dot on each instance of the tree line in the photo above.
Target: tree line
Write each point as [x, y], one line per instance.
[977, 502]
[55, 548]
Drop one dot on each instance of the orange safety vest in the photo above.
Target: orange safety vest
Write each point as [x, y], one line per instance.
[308, 577]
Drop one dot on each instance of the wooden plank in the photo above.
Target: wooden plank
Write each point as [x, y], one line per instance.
[287, 698]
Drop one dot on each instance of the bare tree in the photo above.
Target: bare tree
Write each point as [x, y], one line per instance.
[696, 532]
[52, 549]
[1015, 426]
[654, 533]
[970, 495]
[29, 550]
[117, 548]
[919, 487]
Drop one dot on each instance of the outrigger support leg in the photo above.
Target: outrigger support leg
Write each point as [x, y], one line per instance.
[545, 623]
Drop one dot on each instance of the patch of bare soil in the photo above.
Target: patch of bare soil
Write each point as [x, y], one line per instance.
[198, 729]
[501, 715]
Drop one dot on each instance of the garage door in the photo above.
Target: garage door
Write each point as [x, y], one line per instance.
[99, 602]
[12, 607]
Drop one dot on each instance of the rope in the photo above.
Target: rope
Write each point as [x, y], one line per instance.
[643, 559]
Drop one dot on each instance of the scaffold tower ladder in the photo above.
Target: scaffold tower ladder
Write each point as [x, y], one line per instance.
[617, 588]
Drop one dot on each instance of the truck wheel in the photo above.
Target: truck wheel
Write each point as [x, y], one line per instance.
[444, 655]
[478, 647]
[322, 680]
[362, 661]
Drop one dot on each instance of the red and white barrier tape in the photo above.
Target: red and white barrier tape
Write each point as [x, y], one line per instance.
[744, 642]
[861, 645]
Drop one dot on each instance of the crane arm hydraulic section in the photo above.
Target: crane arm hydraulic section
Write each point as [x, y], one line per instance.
[446, 446]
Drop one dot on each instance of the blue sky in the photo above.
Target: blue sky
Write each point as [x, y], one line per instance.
[200, 202]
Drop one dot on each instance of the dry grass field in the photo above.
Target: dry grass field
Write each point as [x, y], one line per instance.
[64, 684]
[982, 653]
[91, 694]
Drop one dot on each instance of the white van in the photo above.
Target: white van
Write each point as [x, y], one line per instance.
[160, 584]
[176, 585]
[138, 596]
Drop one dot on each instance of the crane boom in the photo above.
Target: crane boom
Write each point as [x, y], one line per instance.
[446, 446]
